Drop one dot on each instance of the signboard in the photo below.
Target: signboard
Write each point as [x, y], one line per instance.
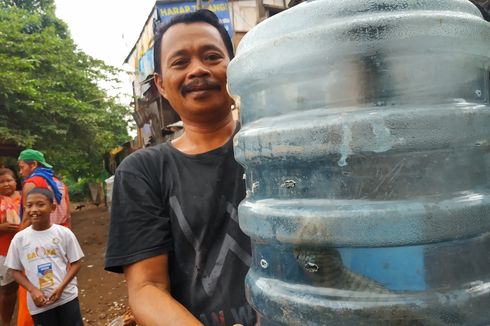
[165, 11]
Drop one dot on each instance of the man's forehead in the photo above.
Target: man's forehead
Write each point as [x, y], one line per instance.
[180, 33]
[193, 27]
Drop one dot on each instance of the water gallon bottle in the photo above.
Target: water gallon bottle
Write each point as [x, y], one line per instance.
[366, 143]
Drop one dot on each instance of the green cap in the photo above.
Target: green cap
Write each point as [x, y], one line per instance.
[33, 155]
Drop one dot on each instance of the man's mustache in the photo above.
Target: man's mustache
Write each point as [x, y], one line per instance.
[198, 85]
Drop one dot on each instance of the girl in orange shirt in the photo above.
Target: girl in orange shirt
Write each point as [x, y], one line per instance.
[9, 225]
[8, 188]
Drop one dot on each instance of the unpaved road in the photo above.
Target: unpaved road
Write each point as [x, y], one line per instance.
[103, 295]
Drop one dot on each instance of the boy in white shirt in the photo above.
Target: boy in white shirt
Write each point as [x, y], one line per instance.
[50, 256]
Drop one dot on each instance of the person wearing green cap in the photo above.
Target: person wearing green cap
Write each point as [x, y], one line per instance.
[33, 156]
[39, 173]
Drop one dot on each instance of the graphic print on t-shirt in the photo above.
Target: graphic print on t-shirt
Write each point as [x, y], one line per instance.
[40, 252]
[45, 275]
[229, 244]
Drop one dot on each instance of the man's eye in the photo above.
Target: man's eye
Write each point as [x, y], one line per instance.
[179, 63]
[213, 57]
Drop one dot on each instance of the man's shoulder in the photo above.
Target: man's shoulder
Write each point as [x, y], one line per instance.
[59, 182]
[149, 157]
[37, 180]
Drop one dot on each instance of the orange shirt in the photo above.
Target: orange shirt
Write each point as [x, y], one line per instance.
[17, 199]
[7, 206]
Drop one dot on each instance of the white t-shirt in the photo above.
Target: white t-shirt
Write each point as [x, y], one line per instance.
[45, 256]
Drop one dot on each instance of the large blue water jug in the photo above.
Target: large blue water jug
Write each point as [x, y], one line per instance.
[366, 142]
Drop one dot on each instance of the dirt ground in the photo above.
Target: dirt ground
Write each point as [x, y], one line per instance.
[102, 295]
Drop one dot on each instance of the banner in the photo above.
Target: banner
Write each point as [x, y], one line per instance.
[141, 56]
[165, 11]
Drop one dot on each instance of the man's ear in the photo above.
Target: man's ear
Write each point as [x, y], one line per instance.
[53, 207]
[158, 80]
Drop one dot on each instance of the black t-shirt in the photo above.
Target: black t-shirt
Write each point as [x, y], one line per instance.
[168, 202]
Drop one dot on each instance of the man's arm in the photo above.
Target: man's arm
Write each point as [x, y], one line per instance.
[66, 198]
[149, 294]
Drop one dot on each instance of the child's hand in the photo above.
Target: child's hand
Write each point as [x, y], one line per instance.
[38, 297]
[9, 227]
[55, 296]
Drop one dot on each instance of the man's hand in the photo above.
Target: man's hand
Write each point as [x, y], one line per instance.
[38, 297]
[55, 296]
[9, 227]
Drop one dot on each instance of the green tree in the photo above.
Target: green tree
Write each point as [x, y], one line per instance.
[50, 97]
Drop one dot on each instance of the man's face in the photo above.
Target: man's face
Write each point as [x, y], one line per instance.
[26, 169]
[193, 77]
[7, 185]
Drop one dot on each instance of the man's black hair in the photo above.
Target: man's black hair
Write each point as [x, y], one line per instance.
[43, 191]
[202, 15]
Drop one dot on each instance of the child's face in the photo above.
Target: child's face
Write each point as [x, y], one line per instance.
[7, 185]
[38, 208]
